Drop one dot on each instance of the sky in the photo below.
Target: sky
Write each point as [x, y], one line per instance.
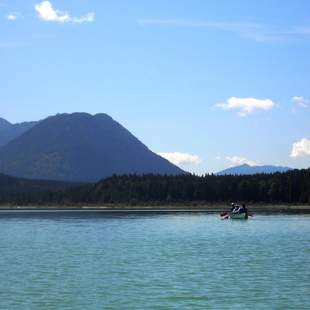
[206, 84]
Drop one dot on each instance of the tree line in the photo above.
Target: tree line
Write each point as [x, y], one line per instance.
[290, 187]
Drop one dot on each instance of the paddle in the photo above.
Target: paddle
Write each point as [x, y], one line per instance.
[225, 217]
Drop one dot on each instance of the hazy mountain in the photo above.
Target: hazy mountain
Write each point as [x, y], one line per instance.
[4, 124]
[246, 170]
[9, 132]
[79, 147]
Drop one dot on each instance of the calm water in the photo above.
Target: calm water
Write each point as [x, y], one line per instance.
[172, 261]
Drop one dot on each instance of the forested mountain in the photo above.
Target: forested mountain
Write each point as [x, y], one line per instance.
[290, 187]
[247, 170]
[79, 147]
[9, 132]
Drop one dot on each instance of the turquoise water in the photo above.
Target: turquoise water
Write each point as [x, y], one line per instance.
[163, 261]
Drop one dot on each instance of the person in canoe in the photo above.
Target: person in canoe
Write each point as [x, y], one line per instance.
[236, 211]
[244, 209]
[233, 208]
[239, 211]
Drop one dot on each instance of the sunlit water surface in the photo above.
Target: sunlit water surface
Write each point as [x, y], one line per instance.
[153, 261]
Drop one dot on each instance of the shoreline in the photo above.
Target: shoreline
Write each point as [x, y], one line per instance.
[258, 209]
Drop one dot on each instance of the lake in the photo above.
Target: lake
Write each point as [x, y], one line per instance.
[153, 261]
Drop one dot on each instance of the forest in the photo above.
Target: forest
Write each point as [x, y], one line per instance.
[292, 187]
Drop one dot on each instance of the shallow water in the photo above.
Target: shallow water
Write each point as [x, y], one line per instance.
[163, 261]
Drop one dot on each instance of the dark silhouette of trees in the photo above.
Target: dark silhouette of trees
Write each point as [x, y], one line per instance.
[290, 187]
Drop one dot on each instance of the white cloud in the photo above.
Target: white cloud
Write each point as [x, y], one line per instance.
[88, 18]
[11, 17]
[246, 106]
[301, 148]
[178, 158]
[301, 101]
[48, 13]
[237, 161]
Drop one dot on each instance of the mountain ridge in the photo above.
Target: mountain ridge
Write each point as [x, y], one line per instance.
[9, 131]
[79, 147]
[4, 124]
[246, 169]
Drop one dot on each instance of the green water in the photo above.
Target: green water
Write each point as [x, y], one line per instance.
[172, 261]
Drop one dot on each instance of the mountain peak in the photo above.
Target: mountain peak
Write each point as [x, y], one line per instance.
[9, 132]
[80, 147]
[4, 124]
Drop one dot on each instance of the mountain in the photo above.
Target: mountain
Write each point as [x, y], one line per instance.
[79, 147]
[247, 170]
[9, 132]
[4, 124]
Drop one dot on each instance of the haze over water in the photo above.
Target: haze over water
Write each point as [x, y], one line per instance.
[153, 261]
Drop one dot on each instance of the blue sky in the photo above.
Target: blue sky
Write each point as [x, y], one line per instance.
[208, 84]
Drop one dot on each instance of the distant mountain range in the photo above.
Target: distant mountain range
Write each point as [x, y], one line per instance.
[76, 147]
[248, 170]
[9, 132]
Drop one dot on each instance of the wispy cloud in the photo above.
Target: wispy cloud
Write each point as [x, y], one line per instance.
[243, 29]
[199, 24]
[238, 160]
[246, 106]
[301, 148]
[48, 13]
[252, 31]
[180, 159]
[301, 101]
[12, 16]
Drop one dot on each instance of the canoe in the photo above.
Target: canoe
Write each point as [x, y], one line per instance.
[238, 216]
